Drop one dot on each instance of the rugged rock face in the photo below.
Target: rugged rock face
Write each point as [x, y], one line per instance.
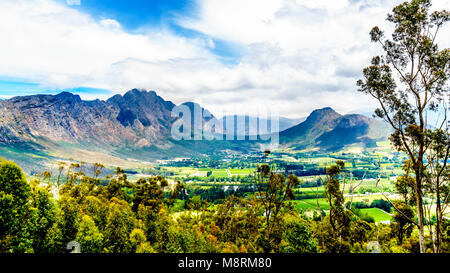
[138, 118]
[141, 119]
[12, 130]
[144, 113]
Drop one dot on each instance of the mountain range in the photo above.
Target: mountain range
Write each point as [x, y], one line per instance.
[329, 130]
[136, 118]
[251, 128]
[138, 125]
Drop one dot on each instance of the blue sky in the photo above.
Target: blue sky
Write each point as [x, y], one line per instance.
[243, 55]
[133, 14]
[10, 87]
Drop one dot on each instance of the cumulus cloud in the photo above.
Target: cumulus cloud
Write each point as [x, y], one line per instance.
[58, 46]
[309, 53]
[296, 55]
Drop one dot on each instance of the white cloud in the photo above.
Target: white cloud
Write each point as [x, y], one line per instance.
[59, 46]
[300, 55]
[110, 23]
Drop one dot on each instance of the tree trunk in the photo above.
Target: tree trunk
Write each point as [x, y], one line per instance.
[420, 221]
[438, 219]
[418, 171]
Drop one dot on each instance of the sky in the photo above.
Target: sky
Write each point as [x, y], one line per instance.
[240, 56]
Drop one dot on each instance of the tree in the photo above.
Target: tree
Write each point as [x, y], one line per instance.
[98, 167]
[274, 190]
[88, 236]
[405, 184]
[339, 217]
[437, 182]
[297, 237]
[45, 216]
[61, 166]
[97, 207]
[15, 194]
[178, 190]
[401, 227]
[120, 223]
[68, 219]
[139, 243]
[117, 185]
[237, 218]
[418, 86]
[147, 201]
[47, 176]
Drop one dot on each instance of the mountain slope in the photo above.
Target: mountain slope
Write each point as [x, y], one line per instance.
[328, 130]
[137, 126]
[137, 118]
[317, 123]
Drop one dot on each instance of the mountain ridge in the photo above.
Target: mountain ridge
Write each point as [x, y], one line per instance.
[66, 117]
[329, 130]
[138, 125]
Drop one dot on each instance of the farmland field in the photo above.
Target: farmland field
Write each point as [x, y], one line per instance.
[311, 204]
[377, 214]
[241, 171]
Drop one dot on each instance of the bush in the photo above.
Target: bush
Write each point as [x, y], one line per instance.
[363, 216]
[381, 204]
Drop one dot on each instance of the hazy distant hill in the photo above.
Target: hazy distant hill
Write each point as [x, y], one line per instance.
[252, 128]
[327, 129]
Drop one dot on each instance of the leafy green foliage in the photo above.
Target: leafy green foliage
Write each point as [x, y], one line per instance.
[114, 215]
[410, 81]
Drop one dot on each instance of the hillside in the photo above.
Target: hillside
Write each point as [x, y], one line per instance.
[138, 118]
[136, 126]
[326, 129]
[38, 129]
[43, 128]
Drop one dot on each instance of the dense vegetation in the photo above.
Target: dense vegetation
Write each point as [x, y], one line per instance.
[113, 215]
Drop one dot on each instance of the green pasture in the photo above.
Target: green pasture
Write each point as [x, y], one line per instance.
[311, 204]
[377, 214]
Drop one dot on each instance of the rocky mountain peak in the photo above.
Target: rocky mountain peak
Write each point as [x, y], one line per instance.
[67, 96]
[326, 112]
[328, 129]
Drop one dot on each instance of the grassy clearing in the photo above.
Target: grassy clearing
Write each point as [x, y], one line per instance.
[220, 173]
[371, 183]
[312, 190]
[241, 171]
[181, 171]
[311, 204]
[377, 214]
[368, 198]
